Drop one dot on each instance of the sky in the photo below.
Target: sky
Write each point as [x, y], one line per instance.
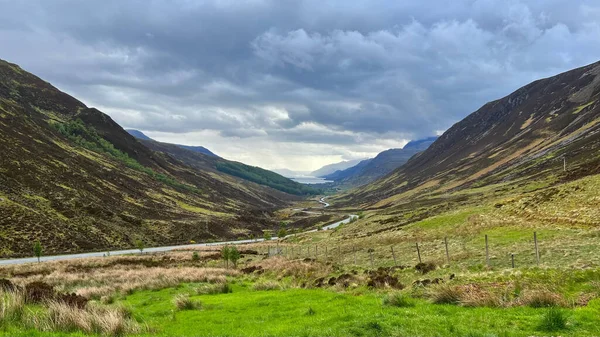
[295, 84]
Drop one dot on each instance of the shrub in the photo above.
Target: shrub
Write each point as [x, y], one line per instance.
[139, 244]
[398, 299]
[266, 285]
[310, 312]
[553, 319]
[445, 294]
[195, 256]
[226, 254]
[209, 289]
[184, 302]
[37, 292]
[282, 233]
[234, 255]
[425, 267]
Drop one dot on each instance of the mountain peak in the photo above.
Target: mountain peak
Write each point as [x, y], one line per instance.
[138, 134]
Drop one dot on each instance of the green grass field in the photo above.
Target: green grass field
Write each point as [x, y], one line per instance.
[317, 312]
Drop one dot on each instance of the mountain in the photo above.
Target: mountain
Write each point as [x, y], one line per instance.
[331, 168]
[138, 134]
[200, 149]
[523, 139]
[211, 163]
[385, 162]
[75, 180]
[342, 175]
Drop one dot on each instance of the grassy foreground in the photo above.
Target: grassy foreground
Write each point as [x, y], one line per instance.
[318, 312]
[176, 295]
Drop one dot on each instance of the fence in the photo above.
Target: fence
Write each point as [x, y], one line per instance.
[486, 252]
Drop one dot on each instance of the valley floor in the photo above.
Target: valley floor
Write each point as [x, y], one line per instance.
[365, 278]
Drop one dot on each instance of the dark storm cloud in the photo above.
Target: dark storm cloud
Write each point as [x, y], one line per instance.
[334, 72]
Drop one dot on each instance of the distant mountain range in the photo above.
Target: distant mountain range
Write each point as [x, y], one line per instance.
[200, 149]
[331, 168]
[369, 170]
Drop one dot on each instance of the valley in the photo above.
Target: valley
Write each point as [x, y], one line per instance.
[490, 229]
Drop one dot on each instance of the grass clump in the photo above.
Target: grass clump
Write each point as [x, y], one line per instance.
[446, 294]
[553, 319]
[211, 289]
[184, 302]
[543, 299]
[398, 299]
[12, 306]
[92, 320]
[266, 285]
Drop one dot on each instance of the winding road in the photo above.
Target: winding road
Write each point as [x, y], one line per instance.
[164, 248]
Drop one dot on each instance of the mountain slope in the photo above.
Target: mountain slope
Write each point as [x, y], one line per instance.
[385, 162]
[332, 168]
[74, 179]
[519, 139]
[247, 173]
[200, 149]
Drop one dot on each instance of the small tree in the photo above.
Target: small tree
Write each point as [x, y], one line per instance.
[267, 235]
[282, 233]
[234, 255]
[37, 249]
[226, 254]
[139, 244]
[252, 238]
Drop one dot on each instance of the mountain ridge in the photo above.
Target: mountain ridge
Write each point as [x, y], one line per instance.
[520, 137]
[72, 178]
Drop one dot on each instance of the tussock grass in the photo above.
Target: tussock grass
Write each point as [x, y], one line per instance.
[543, 299]
[399, 299]
[210, 289]
[553, 319]
[94, 319]
[12, 306]
[266, 285]
[184, 302]
[446, 294]
[295, 268]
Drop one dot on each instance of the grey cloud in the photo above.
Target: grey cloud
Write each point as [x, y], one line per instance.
[355, 71]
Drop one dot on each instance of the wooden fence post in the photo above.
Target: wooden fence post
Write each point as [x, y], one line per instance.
[512, 259]
[394, 256]
[354, 251]
[537, 252]
[326, 255]
[447, 253]
[316, 251]
[418, 251]
[487, 252]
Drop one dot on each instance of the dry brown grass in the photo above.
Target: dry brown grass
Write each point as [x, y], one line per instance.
[12, 306]
[99, 278]
[266, 285]
[475, 296]
[542, 298]
[446, 294]
[94, 319]
[296, 268]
